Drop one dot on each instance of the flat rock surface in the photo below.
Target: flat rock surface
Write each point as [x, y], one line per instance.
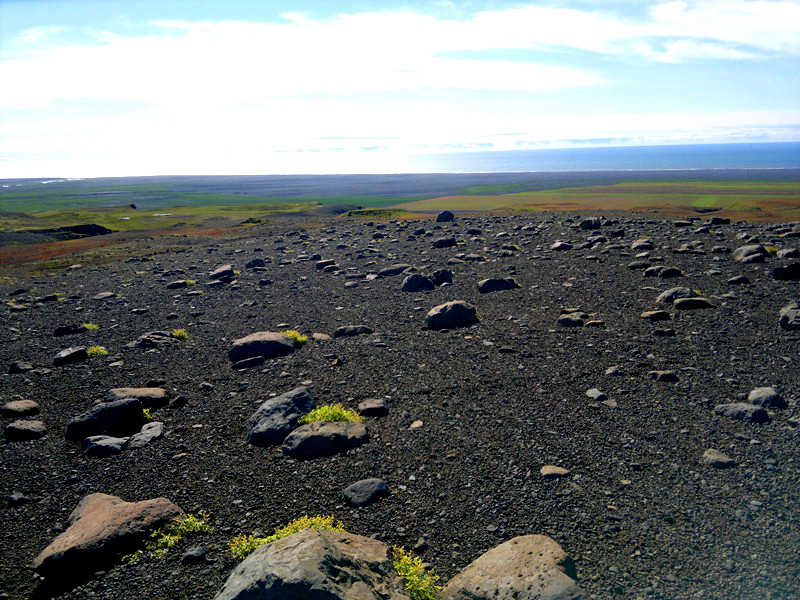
[491, 419]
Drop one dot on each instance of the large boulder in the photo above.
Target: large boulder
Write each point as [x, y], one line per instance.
[750, 254]
[120, 418]
[530, 567]
[790, 272]
[277, 417]
[324, 439]
[416, 282]
[316, 565]
[451, 314]
[262, 343]
[149, 397]
[100, 528]
[445, 217]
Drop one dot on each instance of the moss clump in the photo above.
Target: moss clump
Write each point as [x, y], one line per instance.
[298, 338]
[331, 413]
[243, 545]
[96, 351]
[90, 326]
[180, 334]
[420, 583]
[162, 541]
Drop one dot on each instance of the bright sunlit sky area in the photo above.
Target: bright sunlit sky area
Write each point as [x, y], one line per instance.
[148, 87]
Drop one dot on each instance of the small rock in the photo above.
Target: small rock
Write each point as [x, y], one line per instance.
[262, 343]
[20, 408]
[445, 217]
[766, 397]
[743, 411]
[496, 284]
[102, 446]
[71, 355]
[553, 472]
[23, 431]
[365, 492]
[195, 555]
[373, 407]
[718, 460]
[692, 303]
[451, 314]
[324, 439]
[668, 376]
[352, 330]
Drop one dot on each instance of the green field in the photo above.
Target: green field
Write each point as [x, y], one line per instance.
[748, 200]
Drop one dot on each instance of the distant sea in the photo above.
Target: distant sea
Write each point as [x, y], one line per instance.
[778, 155]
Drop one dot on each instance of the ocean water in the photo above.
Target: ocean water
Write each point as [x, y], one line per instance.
[781, 155]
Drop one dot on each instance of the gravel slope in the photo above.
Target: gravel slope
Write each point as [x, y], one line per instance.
[640, 514]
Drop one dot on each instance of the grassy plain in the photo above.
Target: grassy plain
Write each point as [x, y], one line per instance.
[747, 200]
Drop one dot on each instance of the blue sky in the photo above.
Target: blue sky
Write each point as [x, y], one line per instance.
[104, 87]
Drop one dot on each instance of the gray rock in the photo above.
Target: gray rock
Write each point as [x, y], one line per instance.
[675, 293]
[441, 276]
[531, 567]
[393, 270]
[373, 407]
[789, 253]
[102, 446]
[451, 314]
[668, 376]
[178, 284]
[100, 528]
[718, 460]
[596, 394]
[366, 491]
[255, 263]
[561, 246]
[104, 296]
[766, 397]
[148, 433]
[446, 242]
[790, 272]
[262, 343]
[23, 431]
[351, 330]
[150, 397]
[73, 329]
[642, 245]
[743, 411]
[324, 439]
[553, 472]
[316, 565]
[195, 555]
[739, 280]
[152, 339]
[790, 317]
[692, 303]
[497, 284]
[222, 273]
[656, 315]
[277, 417]
[416, 282]
[575, 318]
[751, 253]
[19, 366]
[119, 419]
[71, 355]
[20, 408]
[445, 217]
[590, 223]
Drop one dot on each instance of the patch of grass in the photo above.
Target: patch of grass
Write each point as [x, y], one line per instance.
[420, 583]
[331, 413]
[243, 545]
[379, 213]
[191, 282]
[298, 338]
[90, 326]
[180, 334]
[95, 351]
[146, 414]
[772, 250]
[162, 541]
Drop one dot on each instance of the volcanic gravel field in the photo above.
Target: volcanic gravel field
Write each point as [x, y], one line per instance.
[639, 512]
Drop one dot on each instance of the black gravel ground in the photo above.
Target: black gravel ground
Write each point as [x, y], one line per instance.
[639, 513]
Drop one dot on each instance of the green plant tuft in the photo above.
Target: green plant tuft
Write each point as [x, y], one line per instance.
[180, 334]
[298, 338]
[146, 414]
[90, 326]
[331, 413]
[96, 351]
[420, 583]
[162, 541]
[191, 282]
[243, 545]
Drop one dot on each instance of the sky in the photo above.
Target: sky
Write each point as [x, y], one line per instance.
[168, 87]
